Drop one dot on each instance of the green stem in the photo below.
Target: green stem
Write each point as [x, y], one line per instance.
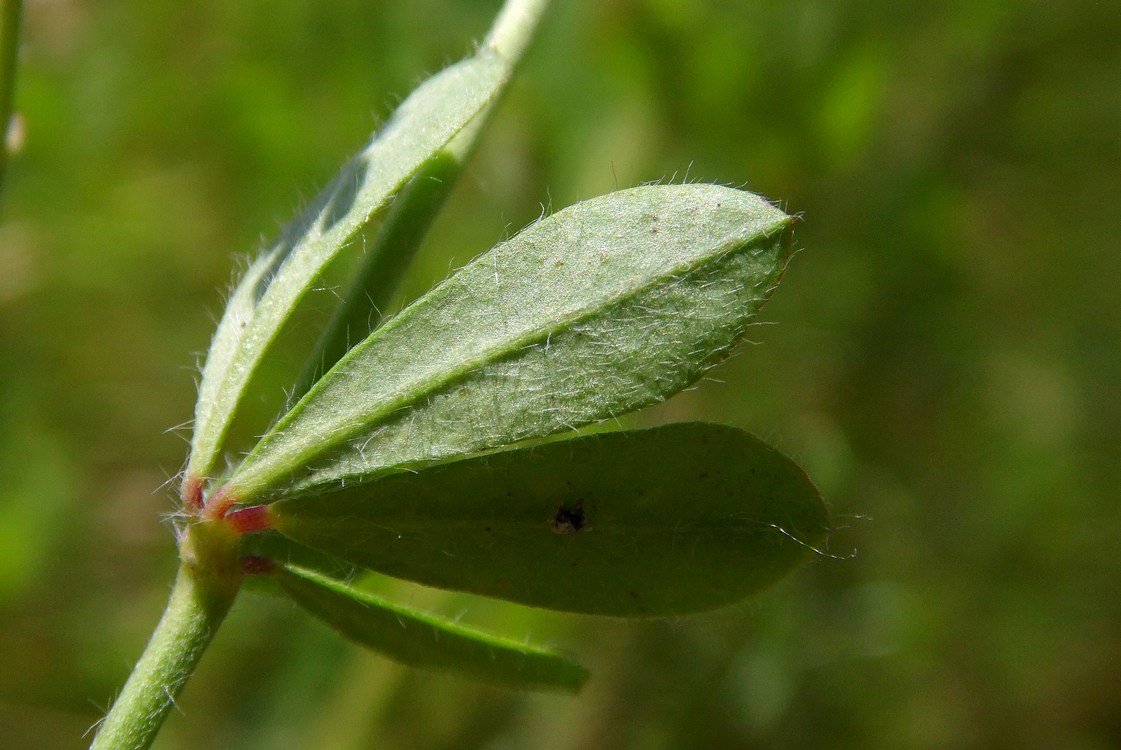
[205, 587]
[10, 12]
[514, 28]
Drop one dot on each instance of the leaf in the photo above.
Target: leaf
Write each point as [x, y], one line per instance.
[421, 640]
[676, 519]
[281, 276]
[607, 306]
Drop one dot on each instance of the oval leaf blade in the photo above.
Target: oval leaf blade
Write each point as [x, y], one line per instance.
[607, 306]
[421, 640]
[281, 276]
[676, 519]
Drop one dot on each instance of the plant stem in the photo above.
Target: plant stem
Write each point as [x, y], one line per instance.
[10, 12]
[514, 28]
[205, 587]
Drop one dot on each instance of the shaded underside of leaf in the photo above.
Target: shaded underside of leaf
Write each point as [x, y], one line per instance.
[280, 549]
[676, 519]
[422, 640]
[607, 306]
[280, 277]
[384, 261]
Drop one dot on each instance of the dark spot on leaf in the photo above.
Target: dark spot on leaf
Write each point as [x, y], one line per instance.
[343, 196]
[568, 519]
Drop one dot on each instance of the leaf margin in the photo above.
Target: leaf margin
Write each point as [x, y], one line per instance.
[380, 625]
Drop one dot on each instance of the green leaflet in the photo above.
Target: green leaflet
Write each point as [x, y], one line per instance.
[421, 640]
[607, 306]
[676, 519]
[281, 276]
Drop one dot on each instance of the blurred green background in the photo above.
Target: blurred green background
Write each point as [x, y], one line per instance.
[945, 363]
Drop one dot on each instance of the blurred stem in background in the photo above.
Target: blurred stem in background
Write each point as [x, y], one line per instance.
[10, 13]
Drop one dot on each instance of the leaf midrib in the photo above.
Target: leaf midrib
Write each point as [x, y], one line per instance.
[452, 527]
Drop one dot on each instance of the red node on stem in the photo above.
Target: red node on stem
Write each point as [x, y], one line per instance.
[253, 518]
[218, 504]
[191, 493]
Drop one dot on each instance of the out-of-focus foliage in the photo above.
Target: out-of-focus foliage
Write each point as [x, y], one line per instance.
[946, 367]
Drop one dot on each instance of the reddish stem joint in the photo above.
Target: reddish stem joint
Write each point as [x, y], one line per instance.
[191, 492]
[218, 505]
[252, 518]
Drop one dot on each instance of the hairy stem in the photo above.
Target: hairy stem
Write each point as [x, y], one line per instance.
[205, 588]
